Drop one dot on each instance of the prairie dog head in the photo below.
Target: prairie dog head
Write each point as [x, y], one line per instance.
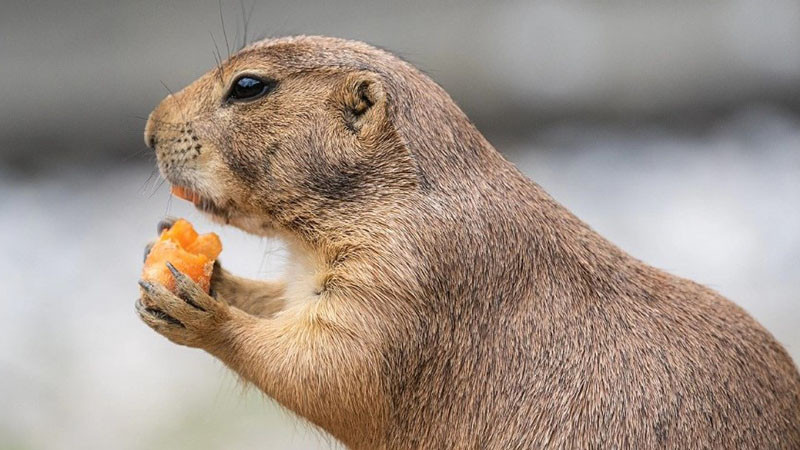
[286, 134]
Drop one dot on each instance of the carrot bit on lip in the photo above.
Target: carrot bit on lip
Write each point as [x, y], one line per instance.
[186, 194]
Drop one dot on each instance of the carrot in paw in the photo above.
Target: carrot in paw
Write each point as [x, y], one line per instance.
[190, 253]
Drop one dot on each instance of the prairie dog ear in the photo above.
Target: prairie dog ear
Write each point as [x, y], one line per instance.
[362, 100]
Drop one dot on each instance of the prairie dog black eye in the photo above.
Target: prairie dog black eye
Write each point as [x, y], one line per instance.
[248, 87]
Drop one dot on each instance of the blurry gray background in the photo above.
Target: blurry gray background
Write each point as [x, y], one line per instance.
[673, 128]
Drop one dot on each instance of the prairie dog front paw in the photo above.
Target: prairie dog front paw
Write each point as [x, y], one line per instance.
[187, 316]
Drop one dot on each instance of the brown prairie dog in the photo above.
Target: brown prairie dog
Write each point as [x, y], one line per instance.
[439, 298]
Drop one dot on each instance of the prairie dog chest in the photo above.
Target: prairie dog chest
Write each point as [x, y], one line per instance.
[305, 276]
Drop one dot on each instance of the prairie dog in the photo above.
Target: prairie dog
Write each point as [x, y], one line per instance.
[438, 298]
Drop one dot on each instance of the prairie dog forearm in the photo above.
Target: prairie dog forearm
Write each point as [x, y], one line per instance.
[256, 297]
[326, 373]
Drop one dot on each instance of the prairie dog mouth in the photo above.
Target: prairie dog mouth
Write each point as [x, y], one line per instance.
[202, 203]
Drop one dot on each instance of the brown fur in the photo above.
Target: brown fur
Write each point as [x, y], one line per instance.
[437, 298]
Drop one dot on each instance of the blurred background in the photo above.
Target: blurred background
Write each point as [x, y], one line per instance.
[673, 128]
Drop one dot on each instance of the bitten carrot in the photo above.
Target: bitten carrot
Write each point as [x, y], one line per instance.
[189, 252]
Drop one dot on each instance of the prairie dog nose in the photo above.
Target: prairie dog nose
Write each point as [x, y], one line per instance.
[163, 113]
[149, 132]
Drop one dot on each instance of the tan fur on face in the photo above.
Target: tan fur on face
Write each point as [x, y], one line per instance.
[438, 298]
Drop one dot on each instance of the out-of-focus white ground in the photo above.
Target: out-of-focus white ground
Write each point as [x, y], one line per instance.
[78, 369]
